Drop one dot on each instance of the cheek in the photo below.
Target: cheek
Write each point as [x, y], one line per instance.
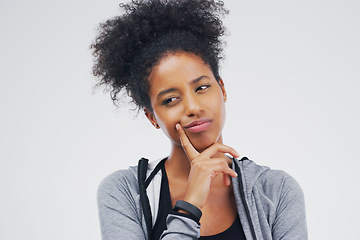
[216, 102]
[219, 110]
[167, 125]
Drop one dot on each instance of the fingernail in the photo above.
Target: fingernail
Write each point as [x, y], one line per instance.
[177, 126]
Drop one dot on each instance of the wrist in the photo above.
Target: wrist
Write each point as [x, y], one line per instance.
[188, 208]
[194, 201]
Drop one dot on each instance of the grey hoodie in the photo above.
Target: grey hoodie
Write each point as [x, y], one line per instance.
[270, 204]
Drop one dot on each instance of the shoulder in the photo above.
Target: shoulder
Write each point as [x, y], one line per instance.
[118, 178]
[279, 185]
[123, 182]
[281, 198]
[119, 184]
[274, 184]
[119, 206]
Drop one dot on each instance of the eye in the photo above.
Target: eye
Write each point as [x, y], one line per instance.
[202, 88]
[168, 100]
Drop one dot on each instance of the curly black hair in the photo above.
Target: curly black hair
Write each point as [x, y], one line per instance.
[130, 45]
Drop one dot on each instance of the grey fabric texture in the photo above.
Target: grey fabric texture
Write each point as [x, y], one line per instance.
[274, 199]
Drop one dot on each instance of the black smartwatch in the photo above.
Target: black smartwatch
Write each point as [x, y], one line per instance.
[188, 207]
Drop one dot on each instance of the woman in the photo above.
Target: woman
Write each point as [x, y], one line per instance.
[165, 54]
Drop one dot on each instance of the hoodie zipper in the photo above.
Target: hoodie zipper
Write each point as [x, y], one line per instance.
[242, 194]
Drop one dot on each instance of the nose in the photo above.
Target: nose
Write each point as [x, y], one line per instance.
[192, 105]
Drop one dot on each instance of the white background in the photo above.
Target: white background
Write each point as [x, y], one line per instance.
[292, 75]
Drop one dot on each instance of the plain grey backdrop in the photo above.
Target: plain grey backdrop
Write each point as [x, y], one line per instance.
[292, 76]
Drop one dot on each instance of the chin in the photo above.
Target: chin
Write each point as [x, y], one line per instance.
[203, 142]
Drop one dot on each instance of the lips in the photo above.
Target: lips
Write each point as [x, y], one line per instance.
[199, 125]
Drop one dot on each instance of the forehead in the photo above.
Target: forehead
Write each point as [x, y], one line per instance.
[178, 68]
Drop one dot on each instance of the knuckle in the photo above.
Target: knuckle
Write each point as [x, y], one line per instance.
[195, 163]
[198, 164]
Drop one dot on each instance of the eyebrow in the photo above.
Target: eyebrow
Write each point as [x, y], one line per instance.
[174, 89]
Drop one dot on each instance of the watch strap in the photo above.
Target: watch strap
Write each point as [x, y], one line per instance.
[188, 207]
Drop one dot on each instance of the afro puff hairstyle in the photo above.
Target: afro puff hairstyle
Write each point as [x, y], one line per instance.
[129, 46]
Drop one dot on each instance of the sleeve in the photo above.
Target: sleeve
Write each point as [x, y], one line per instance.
[119, 214]
[117, 211]
[181, 226]
[290, 218]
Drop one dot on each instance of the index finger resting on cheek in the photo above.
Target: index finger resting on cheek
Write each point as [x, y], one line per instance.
[183, 138]
[189, 149]
[181, 132]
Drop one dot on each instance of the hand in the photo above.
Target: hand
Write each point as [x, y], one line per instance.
[204, 168]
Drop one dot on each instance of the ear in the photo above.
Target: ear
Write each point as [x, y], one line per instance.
[150, 115]
[222, 86]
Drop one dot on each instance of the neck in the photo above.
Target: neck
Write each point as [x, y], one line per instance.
[178, 164]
